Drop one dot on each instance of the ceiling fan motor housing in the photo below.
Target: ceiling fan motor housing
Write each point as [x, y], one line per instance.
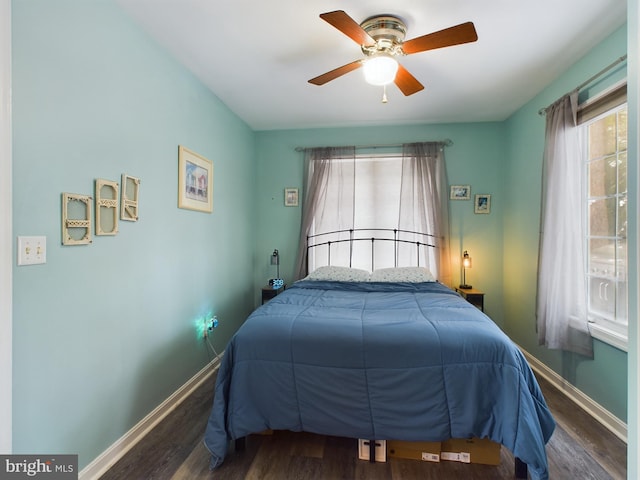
[388, 31]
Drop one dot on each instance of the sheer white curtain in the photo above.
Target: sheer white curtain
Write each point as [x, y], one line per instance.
[562, 293]
[424, 207]
[328, 204]
[390, 191]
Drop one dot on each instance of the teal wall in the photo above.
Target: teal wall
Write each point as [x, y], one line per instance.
[605, 377]
[104, 333]
[475, 158]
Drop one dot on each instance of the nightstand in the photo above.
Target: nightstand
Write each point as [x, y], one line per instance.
[473, 296]
[268, 292]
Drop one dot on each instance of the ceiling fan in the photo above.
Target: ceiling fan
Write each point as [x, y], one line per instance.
[381, 38]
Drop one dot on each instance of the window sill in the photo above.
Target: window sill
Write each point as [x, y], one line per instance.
[607, 335]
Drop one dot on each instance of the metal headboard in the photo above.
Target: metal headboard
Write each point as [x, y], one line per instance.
[399, 237]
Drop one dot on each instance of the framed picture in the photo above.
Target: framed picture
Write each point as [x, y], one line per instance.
[195, 181]
[460, 192]
[107, 193]
[129, 198]
[290, 197]
[76, 219]
[482, 203]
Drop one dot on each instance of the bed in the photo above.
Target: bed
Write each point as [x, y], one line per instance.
[392, 355]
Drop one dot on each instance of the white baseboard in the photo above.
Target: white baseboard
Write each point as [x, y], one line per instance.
[115, 452]
[597, 411]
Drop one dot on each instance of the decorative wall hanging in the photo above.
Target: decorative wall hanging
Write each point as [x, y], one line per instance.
[482, 203]
[106, 207]
[195, 181]
[290, 197]
[129, 199]
[460, 192]
[76, 219]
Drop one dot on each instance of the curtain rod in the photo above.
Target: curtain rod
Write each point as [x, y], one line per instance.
[621, 59]
[446, 142]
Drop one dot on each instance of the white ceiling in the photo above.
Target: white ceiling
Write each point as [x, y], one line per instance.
[257, 56]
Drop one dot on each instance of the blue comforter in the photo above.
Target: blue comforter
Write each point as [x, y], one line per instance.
[378, 361]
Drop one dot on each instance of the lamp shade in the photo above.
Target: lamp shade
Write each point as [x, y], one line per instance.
[380, 69]
[466, 260]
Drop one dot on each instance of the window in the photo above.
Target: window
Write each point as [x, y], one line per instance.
[605, 168]
[402, 192]
[375, 181]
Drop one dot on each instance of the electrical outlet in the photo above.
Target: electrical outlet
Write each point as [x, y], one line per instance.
[32, 250]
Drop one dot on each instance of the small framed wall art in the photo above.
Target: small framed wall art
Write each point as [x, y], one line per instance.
[106, 207]
[482, 203]
[460, 192]
[76, 219]
[129, 198]
[290, 197]
[195, 181]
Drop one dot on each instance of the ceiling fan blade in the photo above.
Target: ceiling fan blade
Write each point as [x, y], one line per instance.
[347, 25]
[335, 73]
[463, 33]
[406, 82]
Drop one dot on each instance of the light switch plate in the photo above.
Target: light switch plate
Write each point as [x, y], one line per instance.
[32, 250]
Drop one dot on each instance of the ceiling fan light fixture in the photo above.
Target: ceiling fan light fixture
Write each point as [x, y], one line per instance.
[380, 69]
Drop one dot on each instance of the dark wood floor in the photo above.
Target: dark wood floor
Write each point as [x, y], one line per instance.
[579, 449]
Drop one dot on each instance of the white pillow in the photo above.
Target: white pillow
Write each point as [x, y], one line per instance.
[339, 274]
[402, 274]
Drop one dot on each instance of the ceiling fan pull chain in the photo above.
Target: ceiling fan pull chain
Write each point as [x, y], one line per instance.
[384, 94]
